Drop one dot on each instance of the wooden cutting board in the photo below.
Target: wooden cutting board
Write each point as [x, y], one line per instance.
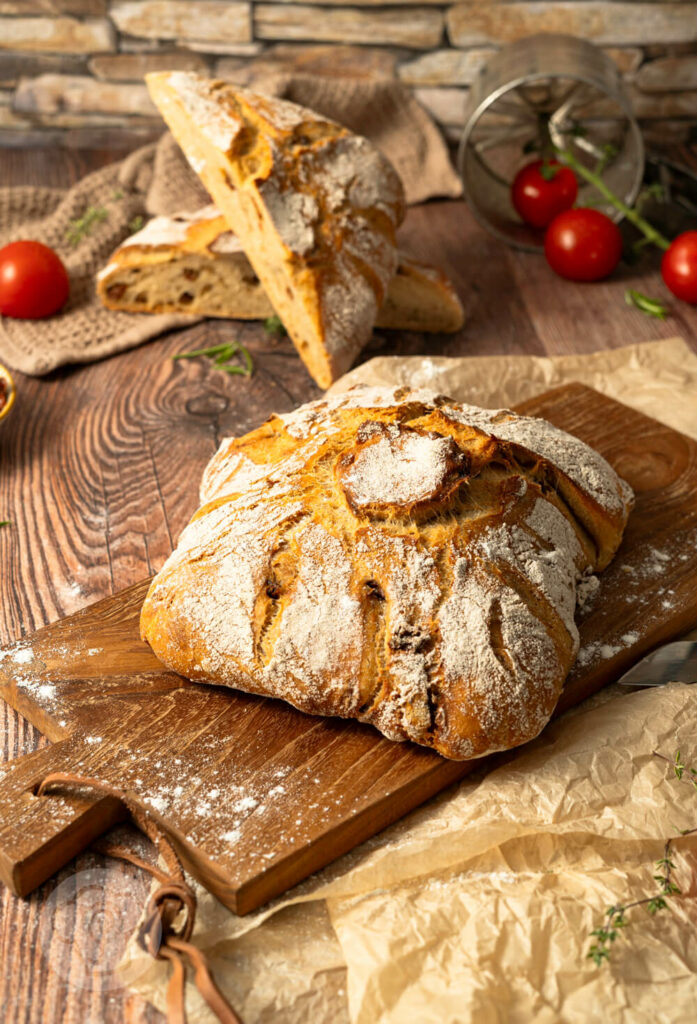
[257, 795]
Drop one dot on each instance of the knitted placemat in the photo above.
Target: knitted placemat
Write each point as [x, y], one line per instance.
[87, 222]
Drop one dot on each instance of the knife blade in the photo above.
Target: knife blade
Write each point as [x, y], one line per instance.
[676, 662]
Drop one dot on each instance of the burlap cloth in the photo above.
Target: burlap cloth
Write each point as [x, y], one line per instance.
[156, 179]
[477, 908]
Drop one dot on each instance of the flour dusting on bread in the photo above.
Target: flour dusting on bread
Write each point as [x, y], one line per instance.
[400, 467]
[193, 263]
[385, 555]
[315, 207]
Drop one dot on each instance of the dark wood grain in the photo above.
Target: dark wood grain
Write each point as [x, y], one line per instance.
[98, 471]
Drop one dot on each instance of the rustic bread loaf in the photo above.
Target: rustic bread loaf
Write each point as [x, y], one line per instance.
[392, 556]
[314, 206]
[193, 263]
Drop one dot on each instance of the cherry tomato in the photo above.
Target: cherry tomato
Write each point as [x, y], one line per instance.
[679, 266]
[583, 245]
[33, 281]
[538, 199]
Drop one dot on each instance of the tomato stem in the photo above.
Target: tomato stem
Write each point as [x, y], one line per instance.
[650, 233]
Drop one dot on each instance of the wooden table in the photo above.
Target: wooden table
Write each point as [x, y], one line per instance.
[99, 469]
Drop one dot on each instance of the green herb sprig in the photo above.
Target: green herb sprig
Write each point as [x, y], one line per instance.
[221, 356]
[5, 522]
[651, 307]
[274, 325]
[83, 226]
[615, 916]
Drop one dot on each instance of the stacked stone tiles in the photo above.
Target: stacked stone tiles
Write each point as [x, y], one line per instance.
[72, 70]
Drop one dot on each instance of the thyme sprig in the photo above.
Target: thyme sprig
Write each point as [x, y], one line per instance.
[5, 522]
[221, 356]
[81, 227]
[615, 916]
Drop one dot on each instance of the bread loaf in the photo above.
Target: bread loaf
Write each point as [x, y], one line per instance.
[315, 208]
[193, 263]
[392, 556]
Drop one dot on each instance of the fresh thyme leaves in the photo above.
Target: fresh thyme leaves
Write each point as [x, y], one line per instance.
[81, 227]
[221, 356]
[5, 522]
[652, 307]
[615, 916]
[274, 325]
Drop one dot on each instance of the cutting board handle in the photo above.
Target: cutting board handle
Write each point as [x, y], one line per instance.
[39, 835]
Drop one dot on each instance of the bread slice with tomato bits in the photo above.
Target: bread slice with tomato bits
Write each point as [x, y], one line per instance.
[315, 208]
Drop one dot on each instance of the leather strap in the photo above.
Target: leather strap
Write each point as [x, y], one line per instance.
[159, 935]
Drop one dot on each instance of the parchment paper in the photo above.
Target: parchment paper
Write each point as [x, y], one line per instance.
[477, 907]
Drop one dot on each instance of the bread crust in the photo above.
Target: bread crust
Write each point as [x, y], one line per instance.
[193, 263]
[392, 556]
[314, 206]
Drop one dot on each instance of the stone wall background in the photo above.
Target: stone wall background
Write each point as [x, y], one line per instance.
[71, 70]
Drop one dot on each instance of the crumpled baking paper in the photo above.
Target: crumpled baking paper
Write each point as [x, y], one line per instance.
[477, 907]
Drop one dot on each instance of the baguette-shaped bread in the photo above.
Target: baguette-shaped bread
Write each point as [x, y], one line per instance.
[193, 263]
[392, 556]
[315, 208]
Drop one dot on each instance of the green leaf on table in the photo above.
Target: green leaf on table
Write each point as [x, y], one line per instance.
[5, 522]
[221, 356]
[651, 307]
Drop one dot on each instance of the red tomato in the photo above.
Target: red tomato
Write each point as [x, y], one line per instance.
[33, 281]
[583, 245]
[679, 266]
[538, 200]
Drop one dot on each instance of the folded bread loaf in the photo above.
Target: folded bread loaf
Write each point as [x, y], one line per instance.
[315, 208]
[193, 263]
[392, 556]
